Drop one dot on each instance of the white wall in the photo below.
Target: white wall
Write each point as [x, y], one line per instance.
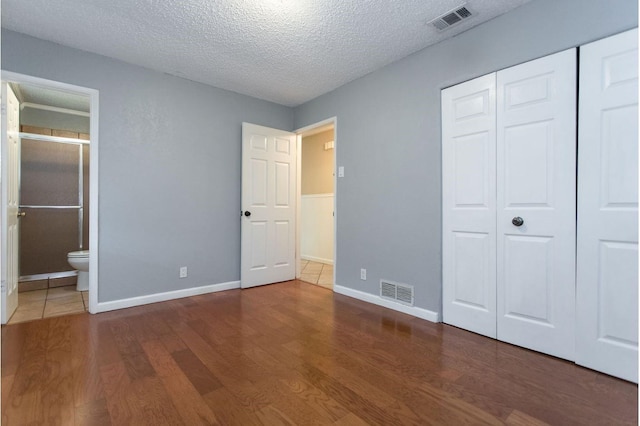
[316, 227]
[388, 136]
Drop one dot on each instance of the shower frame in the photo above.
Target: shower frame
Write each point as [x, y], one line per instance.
[79, 207]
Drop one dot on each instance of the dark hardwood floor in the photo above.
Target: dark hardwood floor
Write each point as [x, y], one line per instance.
[289, 353]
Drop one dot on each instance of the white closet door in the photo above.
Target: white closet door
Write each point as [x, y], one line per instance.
[469, 200]
[607, 292]
[536, 163]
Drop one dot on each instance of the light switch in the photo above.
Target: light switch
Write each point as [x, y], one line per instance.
[341, 171]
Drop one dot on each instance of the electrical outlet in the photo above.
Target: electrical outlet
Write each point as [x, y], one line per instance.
[341, 171]
[363, 274]
[183, 272]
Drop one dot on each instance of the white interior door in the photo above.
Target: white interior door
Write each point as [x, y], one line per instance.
[536, 163]
[469, 205]
[10, 199]
[268, 205]
[607, 283]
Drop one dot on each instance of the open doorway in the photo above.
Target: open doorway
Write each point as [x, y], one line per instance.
[316, 218]
[49, 194]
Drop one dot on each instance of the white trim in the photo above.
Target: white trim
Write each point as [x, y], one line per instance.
[316, 259]
[298, 203]
[319, 126]
[93, 171]
[327, 195]
[52, 275]
[335, 195]
[24, 105]
[57, 139]
[163, 297]
[376, 300]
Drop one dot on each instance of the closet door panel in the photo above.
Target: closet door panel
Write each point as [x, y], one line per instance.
[607, 273]
[536, 177]
[469, 239]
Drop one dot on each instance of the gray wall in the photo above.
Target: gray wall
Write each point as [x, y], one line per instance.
[54, 120]
[170, 162]
[388, 137]
[170, 152]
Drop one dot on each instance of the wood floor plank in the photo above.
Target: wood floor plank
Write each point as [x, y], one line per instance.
[228, 410]
[151, 404]
[24, 402]
[94, 413]
[135, 360]
[288, 353]
[295, 408]
[201, 378]
[351, 420]
[116, 383]
[87, 384]
[13, 339]
[518, 418]
[315, 398]
[106, 349]
[58, 403]
[5, 387]
[188, 401]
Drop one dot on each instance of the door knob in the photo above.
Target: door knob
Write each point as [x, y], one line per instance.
[247, 213]
[517, 221]
[21, 214]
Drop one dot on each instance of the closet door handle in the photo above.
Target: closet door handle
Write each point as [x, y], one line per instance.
[247, 213]
[517, 221]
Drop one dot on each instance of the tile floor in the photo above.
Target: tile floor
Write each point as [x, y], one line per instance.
[50, 302]
[317, 273]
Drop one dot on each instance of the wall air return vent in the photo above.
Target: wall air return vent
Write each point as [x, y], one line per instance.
[401, 293]
[452, 17]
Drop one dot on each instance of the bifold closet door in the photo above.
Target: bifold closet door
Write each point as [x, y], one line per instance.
[469, 205]
[536, 204]
[607, 283]
[509, 175]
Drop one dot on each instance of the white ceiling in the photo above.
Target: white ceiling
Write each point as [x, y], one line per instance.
[285, 51]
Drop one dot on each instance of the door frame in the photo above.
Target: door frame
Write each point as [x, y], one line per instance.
[299, 133]
[93, 94]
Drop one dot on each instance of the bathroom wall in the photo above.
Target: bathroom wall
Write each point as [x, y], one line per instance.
[49, 176]
[317, 164]
[316, 211]
[54, 120]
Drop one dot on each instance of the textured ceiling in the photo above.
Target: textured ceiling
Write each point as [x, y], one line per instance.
[285, 51]
[49, 97]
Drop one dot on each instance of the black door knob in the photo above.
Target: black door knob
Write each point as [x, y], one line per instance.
[247, 213]
[517, 221]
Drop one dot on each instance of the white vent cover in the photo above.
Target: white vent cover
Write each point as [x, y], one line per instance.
[452, 17]
[402, 293]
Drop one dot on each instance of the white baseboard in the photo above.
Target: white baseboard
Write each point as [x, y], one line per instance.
[376, 300]
[162, 297]
[316, 259]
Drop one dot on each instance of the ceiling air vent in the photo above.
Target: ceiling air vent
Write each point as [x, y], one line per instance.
[451, 18]
[402, 293]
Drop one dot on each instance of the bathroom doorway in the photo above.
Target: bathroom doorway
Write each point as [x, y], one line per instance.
[316, 204]
[56, 140]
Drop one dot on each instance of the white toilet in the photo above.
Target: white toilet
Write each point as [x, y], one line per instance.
[80, 260]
